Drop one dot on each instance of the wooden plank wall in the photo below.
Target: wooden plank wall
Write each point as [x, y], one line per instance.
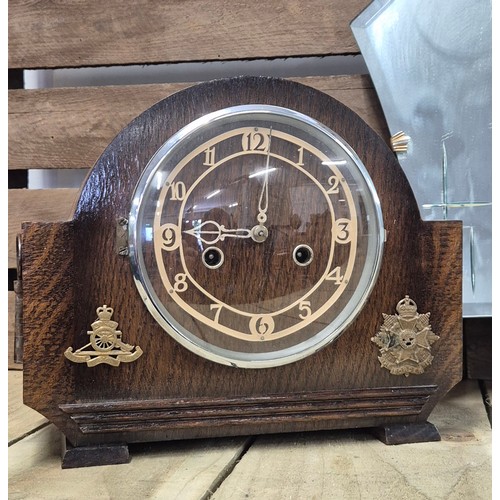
[60, 128]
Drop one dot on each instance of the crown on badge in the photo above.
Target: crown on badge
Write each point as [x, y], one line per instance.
[406, 308]
[104, 312]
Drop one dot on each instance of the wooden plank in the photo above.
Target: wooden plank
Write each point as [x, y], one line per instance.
[182, 470]
[22, 419]
[73, 126]
[11, 328]
[33, 205]
[92, 32]
[352, 464]
[70, 127]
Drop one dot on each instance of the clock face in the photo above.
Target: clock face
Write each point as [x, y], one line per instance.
[255, 236]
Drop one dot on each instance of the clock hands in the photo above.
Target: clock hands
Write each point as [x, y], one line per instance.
[219, 232]
[258, 233]
[264, 194]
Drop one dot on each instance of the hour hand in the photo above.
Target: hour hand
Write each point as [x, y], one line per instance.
[210, 232]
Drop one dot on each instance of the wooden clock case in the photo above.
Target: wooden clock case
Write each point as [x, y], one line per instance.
[69, 269]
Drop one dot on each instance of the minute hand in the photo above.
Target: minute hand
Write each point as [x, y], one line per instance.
[210, 232]
[264, 194]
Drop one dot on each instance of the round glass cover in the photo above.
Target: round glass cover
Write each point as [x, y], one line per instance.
[255, 236]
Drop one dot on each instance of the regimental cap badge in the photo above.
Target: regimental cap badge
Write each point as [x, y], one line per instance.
[106, 344]
[405, 340]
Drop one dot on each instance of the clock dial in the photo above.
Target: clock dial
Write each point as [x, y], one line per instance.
[255, 236]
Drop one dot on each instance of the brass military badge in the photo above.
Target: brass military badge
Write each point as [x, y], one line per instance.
[405, 340]
[106, 345]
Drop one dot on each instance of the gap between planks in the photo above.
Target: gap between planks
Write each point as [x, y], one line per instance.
[226, 472]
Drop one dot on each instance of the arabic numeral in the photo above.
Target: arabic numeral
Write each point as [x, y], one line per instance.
[254, 141]
[170, 237]
[261, 326]
[218, 309]
[180, 284]
[335, 276]
[300, 163]
[178, 191]
[305, 307]
[342, 231]
[333, 181]
[209, 157]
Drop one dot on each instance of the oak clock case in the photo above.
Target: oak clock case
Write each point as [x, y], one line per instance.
[246, 257]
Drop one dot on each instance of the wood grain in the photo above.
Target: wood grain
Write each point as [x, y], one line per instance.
[90, 33]
[335, 405]
[48, 269]
[37, 205]
[70, 127]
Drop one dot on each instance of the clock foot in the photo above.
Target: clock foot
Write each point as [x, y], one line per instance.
[407, 433]
[87, 456]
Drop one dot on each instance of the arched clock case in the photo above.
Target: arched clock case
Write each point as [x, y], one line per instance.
[245, 257]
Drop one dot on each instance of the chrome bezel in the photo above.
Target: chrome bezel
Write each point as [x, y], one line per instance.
[214, 353]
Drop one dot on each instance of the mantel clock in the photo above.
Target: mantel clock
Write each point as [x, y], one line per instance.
[245, 257]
